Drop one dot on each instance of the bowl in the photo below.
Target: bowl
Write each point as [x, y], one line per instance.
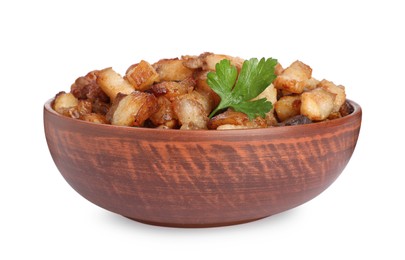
[200, 178]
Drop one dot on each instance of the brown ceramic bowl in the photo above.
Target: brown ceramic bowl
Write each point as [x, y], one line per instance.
[200, 178]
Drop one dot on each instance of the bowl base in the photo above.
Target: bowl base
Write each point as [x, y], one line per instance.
[194, 225]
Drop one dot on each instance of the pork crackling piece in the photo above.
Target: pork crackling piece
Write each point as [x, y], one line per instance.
[132, 109]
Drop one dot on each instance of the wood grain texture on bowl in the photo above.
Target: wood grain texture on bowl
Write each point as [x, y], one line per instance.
[200, 178]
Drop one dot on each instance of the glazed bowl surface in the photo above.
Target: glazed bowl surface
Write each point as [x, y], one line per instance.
[200, 178]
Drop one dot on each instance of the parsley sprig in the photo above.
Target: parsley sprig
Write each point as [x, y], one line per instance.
[237, 91]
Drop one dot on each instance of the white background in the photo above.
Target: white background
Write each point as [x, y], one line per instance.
[46, 45]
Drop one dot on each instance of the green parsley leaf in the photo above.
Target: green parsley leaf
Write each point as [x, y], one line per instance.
[237, 91]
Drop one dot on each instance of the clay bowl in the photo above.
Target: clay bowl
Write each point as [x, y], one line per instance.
[200, 178]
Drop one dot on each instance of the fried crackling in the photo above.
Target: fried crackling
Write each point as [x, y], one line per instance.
[65, 103]
[287, 107]
[173, 89]
[172, 70]
[204, 99]
[86, 87]
[270, 94]
[68, 105]
[208, 60]
[84, 107]
[190, 114]
[113, 83]
[202, 86]
[311, 84]
[212, 60]
[132, 109]
[294, 78]
[317, 104]
[192, 110]
[193, 61]
[100, 107]
[339, 91]
[164, 116]
[141, 76]
[235, 120]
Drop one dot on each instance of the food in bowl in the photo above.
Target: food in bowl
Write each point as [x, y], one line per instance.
[201, 178]
[208, 91]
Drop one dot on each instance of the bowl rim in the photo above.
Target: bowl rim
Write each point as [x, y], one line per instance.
[357, 113]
